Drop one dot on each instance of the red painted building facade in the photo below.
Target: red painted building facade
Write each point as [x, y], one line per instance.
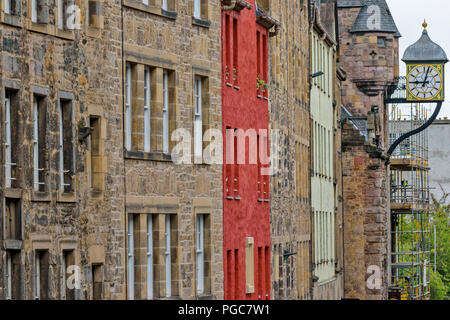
[246, 207]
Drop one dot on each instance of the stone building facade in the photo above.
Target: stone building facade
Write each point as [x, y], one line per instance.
[290, 205]
[61, 189]
[171, 68]
[369, 54]
[87, 115]
[326, 181]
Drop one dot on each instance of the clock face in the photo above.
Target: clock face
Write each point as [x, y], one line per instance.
[425, 82]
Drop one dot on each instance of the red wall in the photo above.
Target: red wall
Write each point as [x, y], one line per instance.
[243, 109]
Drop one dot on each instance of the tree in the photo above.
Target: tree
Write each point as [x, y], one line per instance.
[440, 282]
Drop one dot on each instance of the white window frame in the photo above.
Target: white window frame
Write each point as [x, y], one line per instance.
[149, 256]
[7, 6]
[147, 102]
[34, 12]
[130, 257]
[145, 2]
[8, 147]
[164, 5]
[8, 275]
[128, 107]
[37, 276]
[62, 170]
[168, 258]
[200, 253]
[198, 119]
[165, 111]
[36, 150]
[197, 9]
[60, 9]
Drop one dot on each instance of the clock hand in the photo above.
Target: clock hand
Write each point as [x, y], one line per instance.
[426, 76]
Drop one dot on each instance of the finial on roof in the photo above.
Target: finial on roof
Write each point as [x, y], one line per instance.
[424, 24]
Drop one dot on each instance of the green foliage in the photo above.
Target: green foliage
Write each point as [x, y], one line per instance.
[260, 83]
[438, 288]
[441, 220]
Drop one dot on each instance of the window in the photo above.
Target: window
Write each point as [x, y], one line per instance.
[128, 107]
[13, 219]
[67, 293]
[258, 52]
[197, 9]
[198, 132]
[231, 51]
[149, 256]
[147, 99]
[324, 245]
[227, 46]
[165, 111]
[39, 143]
[249, 266]
[381, 41]
[13, 127]
[130, 257]
[66, 147]
[8, 273]
[62, 14]
[168, 5]
[8, 147]
[235, 50]
[95, 14]
[268, 272]
[39, 11]
[13, 275]
[166, 268]
[12, 7]
[200, 253]
[97, 281]
[168, 258]
[97, 170]
[41, 273]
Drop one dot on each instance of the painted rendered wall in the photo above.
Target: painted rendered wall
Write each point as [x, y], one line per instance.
[241, 108]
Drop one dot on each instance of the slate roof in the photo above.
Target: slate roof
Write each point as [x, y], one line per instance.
[424, 50]
[349, 3]
[361, 24]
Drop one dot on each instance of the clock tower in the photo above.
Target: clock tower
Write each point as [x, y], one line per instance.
[425, 61]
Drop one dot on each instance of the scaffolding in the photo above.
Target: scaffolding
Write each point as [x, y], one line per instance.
[411, 240]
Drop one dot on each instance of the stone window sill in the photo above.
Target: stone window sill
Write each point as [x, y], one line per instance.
[96, 194]
[66, 197]
[93, 32]
[12, 20]
[150, 9]
[205, 297]
[41, 196]
[201, 22]
[169, 14]
[148, 156]
[13, 193]
[64, 34]
[11, 244]
[41, 28]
